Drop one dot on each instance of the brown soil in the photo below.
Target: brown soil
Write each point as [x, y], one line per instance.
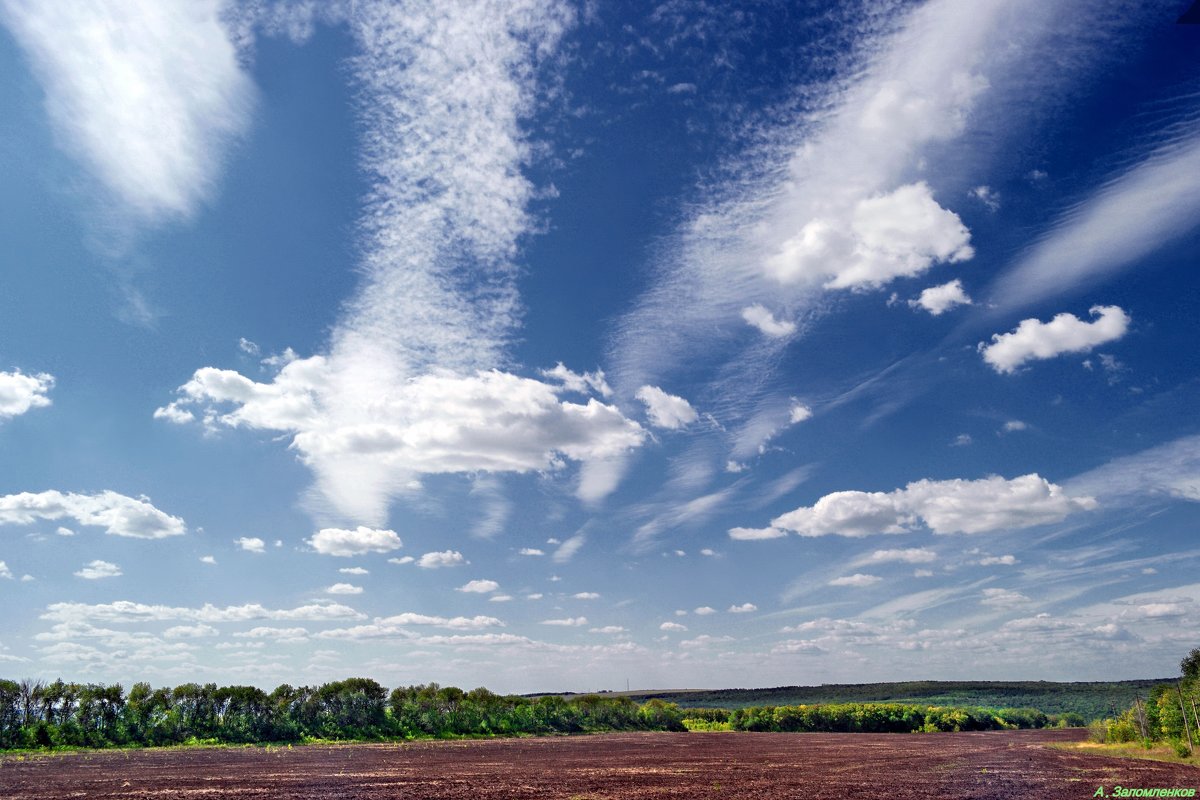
[1010, 764]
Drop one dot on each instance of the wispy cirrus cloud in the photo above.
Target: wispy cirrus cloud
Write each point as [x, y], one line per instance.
[148, 95]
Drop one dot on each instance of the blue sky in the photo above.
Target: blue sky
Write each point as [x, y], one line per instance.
[547, 346]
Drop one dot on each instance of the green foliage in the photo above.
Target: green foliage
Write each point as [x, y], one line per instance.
[36, 715]
[1091, 700]
[880, 718]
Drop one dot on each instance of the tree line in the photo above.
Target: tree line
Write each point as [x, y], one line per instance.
[871, 718]
[1171, 713]
[36, 714]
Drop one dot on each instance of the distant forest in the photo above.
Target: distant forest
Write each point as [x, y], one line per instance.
[1089, 700]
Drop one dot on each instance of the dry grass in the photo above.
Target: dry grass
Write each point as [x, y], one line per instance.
[1156, 752]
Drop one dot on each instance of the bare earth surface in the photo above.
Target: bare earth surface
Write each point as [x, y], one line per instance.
[1008, 764]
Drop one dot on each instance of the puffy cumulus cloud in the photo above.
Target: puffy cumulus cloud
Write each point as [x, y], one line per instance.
[344, 588]
[251, 544]
[937, 300]
[858, 579]
[952, 506]
[586, 596]
[1034, 340]
[532, 551]
[345, 543]
[198, 631]
[901, 233]
[94, 570]
[906, 555]
[744, 608]
[704, 611]
[368, 446]
[5, 572]
[672, 626]
[568, 622]
[354, 571]
[799, 412]
[478, 587]
[444, 558]
[268, 633]
[760, 317]
[147, 94]
[117, 514]
[127, 611]
[756, 534]
[20, 392]
[666, 410]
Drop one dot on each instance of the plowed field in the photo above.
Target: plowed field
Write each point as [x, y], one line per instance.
[1011, 764]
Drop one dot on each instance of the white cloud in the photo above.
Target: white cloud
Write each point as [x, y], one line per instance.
[354, 571]
[760, 317]
[122, 611]
[1003, 598]
[94, 570]
[581, 383]
[1014, 425]
[569, 622]
[756, 534]
[1171, 469]
[889, 235]
[147, 94]
[666, 410]
[586, 596]
[409, 383]
[282, 635]
[952, 506]
[61, 531]
[1035, 340]
[609, 629]
[248, 347]
[939, 299]
[198, 631]
[708, 551]
[500, 598]
[1150, 204]
[532, 551]
[363, 453]
[567, 550]
[344, 588]
[744, 608]
[799, 413]
[402, 560]
[117, 514]
[907, 555]
[479, 587]
[5, 572]
[858, 579]
[361, 540]
[992, 561]
[534, 596]
[251, 544]
[20, 392]
[445, 558]
[672, 626]
[988, 196]
[962, 440]
[704, 611]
